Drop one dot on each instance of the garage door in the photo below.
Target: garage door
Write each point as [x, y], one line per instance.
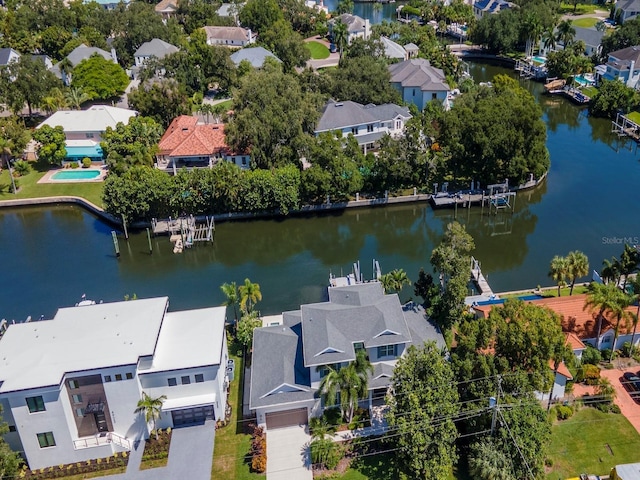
[191, 416]
[287, 418]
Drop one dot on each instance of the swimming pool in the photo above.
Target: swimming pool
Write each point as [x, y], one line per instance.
[537, 59]
[76, 175]
[583, 81]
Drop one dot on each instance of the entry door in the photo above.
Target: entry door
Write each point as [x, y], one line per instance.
[101, 422]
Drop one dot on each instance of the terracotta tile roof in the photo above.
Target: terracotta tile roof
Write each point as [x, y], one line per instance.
[573, 341]
[185, 137]
[576, 319]
[167, 5]
[562, 370]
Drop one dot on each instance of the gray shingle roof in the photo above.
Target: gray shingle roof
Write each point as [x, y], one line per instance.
[422, 330]
[628, 5]
[629, 54]
[381, 377]
[256, 56]
[5, 55]
[418, 72]
[590, 36]
[338, 115]
[356, 313]
[278, 374]
[155, 48]
[354, 23]
[392, 49]
[83, 52]
[228, 33]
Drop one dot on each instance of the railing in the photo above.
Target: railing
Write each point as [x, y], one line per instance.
[100, 440]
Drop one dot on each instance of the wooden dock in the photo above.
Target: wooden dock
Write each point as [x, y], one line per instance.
[185, 232]
[625, 127]
[445, 200]
[478, 278]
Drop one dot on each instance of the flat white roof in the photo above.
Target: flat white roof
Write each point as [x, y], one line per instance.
[95, 119]
[189, 338]
[38, 354]
[193, 401]
[271, 320]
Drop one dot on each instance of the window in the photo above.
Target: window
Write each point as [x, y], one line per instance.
[434, 96]
[172, 382]
[354, 130]
[199, 378]
[12, 428]
[398, 124]
[73, 384]
[369, 128]
[358, 346]
[118, 377]
[79, 412]
[244, 160]
[107, 378]
[414, 92]
[77, 398]
[89, 135]
[324, 370]
[46, 440]
[35, 404]
[129, 376]
[387, 351]
[185, 380]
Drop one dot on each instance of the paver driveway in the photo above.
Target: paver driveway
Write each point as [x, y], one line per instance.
[288, 454]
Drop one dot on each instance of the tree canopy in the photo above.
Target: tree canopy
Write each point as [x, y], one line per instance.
[133, 144]
[99, 78]
[51, 144]
[163, 101]
[613, 96]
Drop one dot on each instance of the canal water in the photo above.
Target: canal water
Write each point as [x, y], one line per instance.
[51, 256]
[376, 12]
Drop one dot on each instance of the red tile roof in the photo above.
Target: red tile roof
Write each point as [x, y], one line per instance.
[562, 370]
[573, 341]
[185, 137]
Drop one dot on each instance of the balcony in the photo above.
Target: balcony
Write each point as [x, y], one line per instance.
[101, 439]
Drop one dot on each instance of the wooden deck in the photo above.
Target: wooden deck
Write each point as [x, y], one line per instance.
[461, 199]
[478, 278]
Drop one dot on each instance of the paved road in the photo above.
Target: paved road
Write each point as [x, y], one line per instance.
[597, 13]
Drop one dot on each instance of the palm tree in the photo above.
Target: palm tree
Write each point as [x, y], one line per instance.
[394, 280]
[611, 270]
[249, 295]
[566, 33]
[320, 428]
[618, 310]
[351, 382]
[75, 97]
[629, 261]
[601, 297]
[5, 153]
[151, 407]
[558, 271]
[340, 35]
[549, 39]
[577, 266]
[230, 291]
[635, 286]
[533, 30]
[66, 67]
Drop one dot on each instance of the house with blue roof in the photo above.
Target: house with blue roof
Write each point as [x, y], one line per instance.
[485, 7]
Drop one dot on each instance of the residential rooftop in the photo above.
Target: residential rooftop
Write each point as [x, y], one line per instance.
[95, 119]
[185, 136]
[256, 56]
[418, 72]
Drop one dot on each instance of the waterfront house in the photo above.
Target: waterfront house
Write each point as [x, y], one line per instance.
[167, 8]
[488, 7]
[256, 56]
[109, 4]
[229, 36]
[367, 123]
[189, 143]
[230, 10]
[69, 386]
[626, 9]
[77, 55]
[357, 27]
[393, 50]
[290, 359]
[622, 65]
[83, 129]
[418, 82]
[7, 56]
[580, 321]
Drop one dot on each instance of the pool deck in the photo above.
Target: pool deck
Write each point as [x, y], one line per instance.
[100, 178]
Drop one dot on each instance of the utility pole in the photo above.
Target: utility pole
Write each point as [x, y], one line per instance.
[493, 403]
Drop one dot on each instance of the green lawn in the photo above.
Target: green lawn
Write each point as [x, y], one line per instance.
[579, 445]
[318, 50]
[634, 117]
[226, 105]
[29, 188]
[232, 444]
[585, 22]
[589, 91]
[583, 8]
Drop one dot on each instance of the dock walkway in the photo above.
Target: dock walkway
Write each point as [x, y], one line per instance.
[478, 278]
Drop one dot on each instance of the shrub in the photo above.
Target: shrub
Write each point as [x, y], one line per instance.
[325, 452]
[591, 374]
[21, 167]
[86, 162]
[548, 462]
[606, 353]
[591, 356]
[258, 449]
[74, 165]
[563, 412]
[615, 408]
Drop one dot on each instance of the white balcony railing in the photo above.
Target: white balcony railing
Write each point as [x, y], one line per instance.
[101, 439]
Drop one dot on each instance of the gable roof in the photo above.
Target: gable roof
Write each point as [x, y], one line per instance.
[95, 119]
[186, 137]
[392, 49]
[339, 115]
[562, 370]
[278, 374]
[381, 376]
[256, 56]
[155, 48]
[356, 313]
[228, 33]
[572, 340]
[411, 47]
[6, 54]
[417, 72]
[492, 6]
[168, 6]
[628, 5]
[590, 36]
[627, 55]
[82, 52]
[354, 23]
[126, 331]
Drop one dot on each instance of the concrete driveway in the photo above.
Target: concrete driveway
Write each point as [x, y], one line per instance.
[288, 454]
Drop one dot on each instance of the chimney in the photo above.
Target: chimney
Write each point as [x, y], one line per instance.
[114, 55]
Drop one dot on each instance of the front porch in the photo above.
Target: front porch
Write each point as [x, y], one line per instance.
[102, 439]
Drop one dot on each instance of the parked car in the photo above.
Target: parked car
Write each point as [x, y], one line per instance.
[332, 48]
[631, 382]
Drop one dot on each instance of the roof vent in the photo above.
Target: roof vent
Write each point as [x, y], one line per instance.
[339, 104]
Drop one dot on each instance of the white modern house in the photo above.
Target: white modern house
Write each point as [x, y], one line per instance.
[83, 129]
[418, 82]
[367, 123]
[622, 65]
[290, 359]
[69, 386]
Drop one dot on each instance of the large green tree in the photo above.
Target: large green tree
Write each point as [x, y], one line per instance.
[99, 78]
[364, 80]
[51, 144]
[271, 116]
[613, 96]
[422, 412]
[260, 15]
[133, 144]
[493, 134]
[26, 81]
[286, 44]
[163, 101]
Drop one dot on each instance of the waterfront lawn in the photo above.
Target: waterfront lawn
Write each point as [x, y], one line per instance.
[232, 443]
[588, 22]
[30, 188]
[318, 50]
[634, 117]
[591, 442]
[589, 91]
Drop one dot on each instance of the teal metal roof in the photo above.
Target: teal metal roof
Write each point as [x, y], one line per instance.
[81, 152]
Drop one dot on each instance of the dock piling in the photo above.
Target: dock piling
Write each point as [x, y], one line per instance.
[124, 225]
[149, 240]
[114, 236]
